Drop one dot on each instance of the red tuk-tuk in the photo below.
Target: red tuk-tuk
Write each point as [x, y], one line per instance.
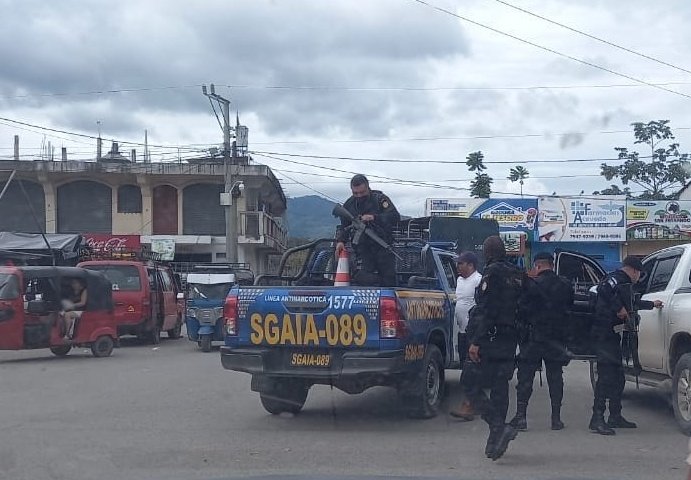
[147, 297]
[31, 310]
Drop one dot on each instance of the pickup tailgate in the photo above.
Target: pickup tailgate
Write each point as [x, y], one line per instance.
[311, 319]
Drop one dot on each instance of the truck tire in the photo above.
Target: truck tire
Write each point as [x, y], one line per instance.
[61, 350]
[103, 346]
[681, 393]
[284, 397]
[205, 343]
[423, 395]
[174, 333]
[155, 335]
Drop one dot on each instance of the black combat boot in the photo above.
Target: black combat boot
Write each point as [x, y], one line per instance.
[492, 441]
[598, 425]
[508, 433]
[520, 422]
[617, 421]
[557, 424]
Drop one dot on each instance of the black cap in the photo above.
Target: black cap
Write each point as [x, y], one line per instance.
[633, 262]
[468, 257]
[544, 256]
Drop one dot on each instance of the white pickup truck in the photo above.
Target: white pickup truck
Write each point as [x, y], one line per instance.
[664, 338]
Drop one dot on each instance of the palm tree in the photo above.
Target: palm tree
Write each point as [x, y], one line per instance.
[518, 174]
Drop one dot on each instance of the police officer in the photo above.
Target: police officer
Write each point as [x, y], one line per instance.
[376, 210]
[614, 306]
[546, 308]
[494, 339]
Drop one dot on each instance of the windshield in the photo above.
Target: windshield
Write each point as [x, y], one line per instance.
[205, 291]
[9, 286]
[123, 277]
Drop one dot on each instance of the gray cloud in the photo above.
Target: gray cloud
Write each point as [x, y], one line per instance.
[79, 46]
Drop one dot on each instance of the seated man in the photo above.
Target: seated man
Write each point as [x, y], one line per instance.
[73, 303]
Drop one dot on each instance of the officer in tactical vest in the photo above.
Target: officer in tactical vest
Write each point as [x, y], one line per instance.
[545, 308]
[614, 308]
[378, 212]
[494, 339]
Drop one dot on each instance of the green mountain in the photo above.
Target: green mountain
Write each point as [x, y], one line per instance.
[309, 217]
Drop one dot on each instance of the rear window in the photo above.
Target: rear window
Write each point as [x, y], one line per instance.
[217, 290]
[9, 286]
[123, 277]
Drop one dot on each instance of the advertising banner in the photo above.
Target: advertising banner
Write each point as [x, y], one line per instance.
[582, 219]
[165, 247]
[658, 220]
[512, 214]
[100, 242]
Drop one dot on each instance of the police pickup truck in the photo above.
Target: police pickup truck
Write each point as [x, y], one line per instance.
[294, 331]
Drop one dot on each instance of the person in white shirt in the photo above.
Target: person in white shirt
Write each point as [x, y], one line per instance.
[468, 280]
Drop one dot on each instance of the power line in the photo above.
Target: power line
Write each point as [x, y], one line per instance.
[593, 37]
[431, 161]
[100, 92]
[410, 182]
[550, 50]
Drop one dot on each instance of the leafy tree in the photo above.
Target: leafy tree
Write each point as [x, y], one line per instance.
[481, 186]
[518, 174]
[663, 170]
[614, 190]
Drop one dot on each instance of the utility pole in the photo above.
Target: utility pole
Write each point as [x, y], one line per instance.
[16, 148]
[230, 203]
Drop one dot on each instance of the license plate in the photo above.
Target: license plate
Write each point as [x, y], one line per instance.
[317, 360]
[342, 330]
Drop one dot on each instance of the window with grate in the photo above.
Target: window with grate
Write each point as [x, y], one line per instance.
[129, 199]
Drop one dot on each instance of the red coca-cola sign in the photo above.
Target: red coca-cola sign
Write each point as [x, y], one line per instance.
[106, 242]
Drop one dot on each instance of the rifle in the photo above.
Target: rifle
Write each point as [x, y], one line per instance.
[630, 336]
[361, 228]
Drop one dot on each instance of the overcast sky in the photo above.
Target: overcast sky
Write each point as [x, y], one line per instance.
[391, 71]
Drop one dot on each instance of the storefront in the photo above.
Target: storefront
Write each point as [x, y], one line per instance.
[654, 225]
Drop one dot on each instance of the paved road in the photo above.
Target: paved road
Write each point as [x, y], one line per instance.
[172, 412]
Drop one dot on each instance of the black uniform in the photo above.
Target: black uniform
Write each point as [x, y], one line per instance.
[546, 309]
[493, 327]
[378, 264]
[613, 293]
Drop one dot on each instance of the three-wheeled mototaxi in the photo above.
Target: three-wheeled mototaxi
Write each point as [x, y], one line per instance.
[32, 310]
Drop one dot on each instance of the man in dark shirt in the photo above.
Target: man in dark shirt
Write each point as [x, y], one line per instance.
[545, 308]
[494, 337]
[374, 208]
[614, 308]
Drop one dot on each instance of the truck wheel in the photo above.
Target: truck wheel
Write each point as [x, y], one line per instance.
[681, 393]
[155, 335]
[61, 351]
[593, 373]
[284, 397]
[103, 346]
[205, 343]
[423, 395]
[174, 333]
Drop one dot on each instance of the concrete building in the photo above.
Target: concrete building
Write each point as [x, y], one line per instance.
[178, 201]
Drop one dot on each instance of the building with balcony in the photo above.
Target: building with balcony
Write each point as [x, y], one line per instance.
[174, 201]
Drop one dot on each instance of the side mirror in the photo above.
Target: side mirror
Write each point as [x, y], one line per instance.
[37, 307]
[180, 296]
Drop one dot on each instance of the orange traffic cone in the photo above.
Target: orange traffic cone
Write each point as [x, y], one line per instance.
[342, 270]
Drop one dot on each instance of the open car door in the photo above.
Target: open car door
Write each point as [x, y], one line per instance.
[584, 273]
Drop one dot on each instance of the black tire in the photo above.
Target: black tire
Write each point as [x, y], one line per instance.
[61, 351]
[681, 393]
[205, 343]
[155, 335]
[593, 373]
[175, 332]
[103, 346]
[284, 397]
[423, 395]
